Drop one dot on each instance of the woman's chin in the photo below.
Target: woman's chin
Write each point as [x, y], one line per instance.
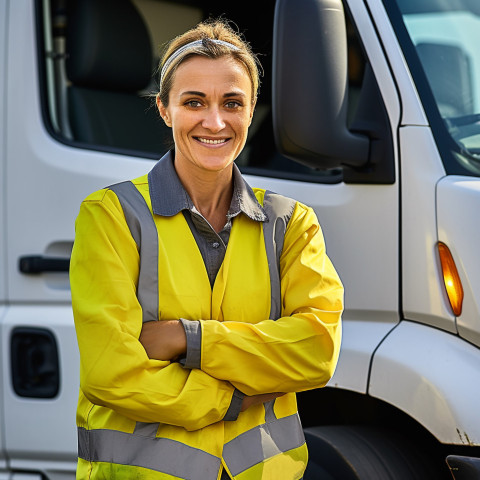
[214, 163]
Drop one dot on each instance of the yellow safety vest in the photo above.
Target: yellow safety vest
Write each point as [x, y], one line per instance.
[142, 418]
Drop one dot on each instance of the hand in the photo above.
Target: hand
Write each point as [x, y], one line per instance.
[163, 340]
[256, 399]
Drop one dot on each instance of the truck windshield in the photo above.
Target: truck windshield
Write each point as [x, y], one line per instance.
[440, 40]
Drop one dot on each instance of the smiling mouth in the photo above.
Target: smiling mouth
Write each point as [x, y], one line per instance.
[208, 141]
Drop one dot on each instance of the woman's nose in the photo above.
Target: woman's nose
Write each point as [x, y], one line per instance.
[213, 120]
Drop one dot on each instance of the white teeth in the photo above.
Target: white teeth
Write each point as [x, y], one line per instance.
[211, 142]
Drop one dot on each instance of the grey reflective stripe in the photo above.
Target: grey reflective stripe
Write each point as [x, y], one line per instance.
[269, 412]
[193, 333]
[144, 232]
[158, 454]
[263, 442]
[279, 210]
[146, 429]
[235, 406]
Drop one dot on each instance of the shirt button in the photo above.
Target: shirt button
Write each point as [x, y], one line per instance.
[215, 244]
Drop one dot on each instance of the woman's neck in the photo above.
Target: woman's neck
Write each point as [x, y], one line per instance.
[211, 192]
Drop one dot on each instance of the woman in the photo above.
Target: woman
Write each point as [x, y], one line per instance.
[208, 391]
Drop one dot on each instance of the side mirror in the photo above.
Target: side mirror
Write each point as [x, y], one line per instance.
[310, 85]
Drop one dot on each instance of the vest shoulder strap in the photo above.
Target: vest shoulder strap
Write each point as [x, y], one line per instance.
[279, 210]
[144, 232]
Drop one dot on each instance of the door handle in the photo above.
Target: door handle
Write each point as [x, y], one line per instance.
[41, 264]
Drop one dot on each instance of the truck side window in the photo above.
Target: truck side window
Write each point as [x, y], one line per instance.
[99, 79]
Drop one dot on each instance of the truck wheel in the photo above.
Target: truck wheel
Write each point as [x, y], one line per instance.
[364, 453]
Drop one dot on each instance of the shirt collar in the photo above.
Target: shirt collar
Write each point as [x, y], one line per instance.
[169, 197]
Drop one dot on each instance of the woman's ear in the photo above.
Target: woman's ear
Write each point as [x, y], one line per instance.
[163, 112]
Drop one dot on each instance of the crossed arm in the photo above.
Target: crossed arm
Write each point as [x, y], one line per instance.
[167, 341]
[297, 351]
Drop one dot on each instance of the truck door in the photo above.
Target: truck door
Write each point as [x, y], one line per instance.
[356, 199]
[43, 183]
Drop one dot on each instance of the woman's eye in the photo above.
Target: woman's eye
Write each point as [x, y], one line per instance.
[233, 104]
[193, 104]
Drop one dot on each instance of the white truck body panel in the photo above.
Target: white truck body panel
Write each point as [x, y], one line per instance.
[3, 210]
[360, 337]
[424, 299]
[430, 375]
[411, 107]
[22, 441]
[458, 200]
[3, 124]
[3, 379]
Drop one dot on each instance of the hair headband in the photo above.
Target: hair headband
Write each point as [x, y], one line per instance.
[189, 46]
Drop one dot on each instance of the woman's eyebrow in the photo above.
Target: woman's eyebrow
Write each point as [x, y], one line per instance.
[193, 92]
[203, 95]
[234, 94]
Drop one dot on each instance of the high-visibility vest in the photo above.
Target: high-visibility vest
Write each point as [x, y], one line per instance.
[265, 442]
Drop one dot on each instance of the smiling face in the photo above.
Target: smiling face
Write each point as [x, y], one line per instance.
[210, 109]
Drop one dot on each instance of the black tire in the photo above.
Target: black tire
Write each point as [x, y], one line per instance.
[364, 453]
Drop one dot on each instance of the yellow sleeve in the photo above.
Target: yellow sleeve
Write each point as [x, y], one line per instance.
[115, 370]
[299, 351]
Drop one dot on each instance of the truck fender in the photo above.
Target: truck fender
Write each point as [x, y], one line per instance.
[431, 375]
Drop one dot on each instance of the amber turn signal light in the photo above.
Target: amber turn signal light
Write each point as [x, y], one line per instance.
[451, 279]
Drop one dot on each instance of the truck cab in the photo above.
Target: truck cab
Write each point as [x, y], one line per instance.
[368, 112]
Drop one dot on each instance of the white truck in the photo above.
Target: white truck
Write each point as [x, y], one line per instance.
[378, 104]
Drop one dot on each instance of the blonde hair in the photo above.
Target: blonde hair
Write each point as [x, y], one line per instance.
[218, 29]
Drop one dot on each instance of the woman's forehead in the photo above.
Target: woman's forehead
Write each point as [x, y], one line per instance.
[211, 73]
